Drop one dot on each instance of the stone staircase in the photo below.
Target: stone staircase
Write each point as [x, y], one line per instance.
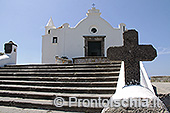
[36, 86]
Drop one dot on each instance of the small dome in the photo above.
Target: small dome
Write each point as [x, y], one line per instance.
[65, 25]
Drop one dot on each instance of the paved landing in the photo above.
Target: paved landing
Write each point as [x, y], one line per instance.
[4, 109]
[162, 87]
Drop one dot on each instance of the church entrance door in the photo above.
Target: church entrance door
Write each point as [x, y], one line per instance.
[94, 45]
[94, 48]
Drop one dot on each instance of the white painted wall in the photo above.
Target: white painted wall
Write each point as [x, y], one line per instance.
[9, 58]
[71, 41]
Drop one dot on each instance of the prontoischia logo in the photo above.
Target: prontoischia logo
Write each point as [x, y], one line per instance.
[99, 102]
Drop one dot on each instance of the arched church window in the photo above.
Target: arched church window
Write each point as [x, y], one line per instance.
[54, 39]
[48, 31]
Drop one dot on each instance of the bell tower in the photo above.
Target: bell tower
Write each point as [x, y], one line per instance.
[49, 26]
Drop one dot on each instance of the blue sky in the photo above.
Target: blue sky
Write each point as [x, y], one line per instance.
[23, 21]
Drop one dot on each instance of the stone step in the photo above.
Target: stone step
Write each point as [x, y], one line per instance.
[63, 70]
[60, 74]
[15, 73]
[61, 79]
[50, 95]
[59, 67]
[36, 86]
[89, 90]
[83, 64]
[45, 104]
[59, 84]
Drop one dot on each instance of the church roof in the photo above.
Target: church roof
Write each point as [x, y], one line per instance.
[50, 22]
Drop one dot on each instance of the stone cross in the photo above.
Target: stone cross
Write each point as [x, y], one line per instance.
[131, 53]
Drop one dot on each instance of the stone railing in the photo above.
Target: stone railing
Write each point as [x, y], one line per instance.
[160, 78]
[94, 59]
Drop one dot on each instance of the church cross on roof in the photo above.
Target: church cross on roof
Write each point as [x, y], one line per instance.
[93, 5]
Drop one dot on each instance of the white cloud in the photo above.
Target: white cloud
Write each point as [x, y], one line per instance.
[162, 51]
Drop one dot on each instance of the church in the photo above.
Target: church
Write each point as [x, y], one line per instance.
[90, 37]
[88, 61]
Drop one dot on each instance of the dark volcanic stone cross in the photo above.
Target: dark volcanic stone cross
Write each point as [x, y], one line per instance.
[131, 53]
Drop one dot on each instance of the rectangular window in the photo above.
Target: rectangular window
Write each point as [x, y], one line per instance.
[124, 28]
[54, 40]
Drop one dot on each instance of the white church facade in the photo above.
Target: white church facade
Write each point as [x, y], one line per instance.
[90, 37]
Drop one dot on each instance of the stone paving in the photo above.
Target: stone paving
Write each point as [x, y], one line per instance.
[5, 109]
[162, 87]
